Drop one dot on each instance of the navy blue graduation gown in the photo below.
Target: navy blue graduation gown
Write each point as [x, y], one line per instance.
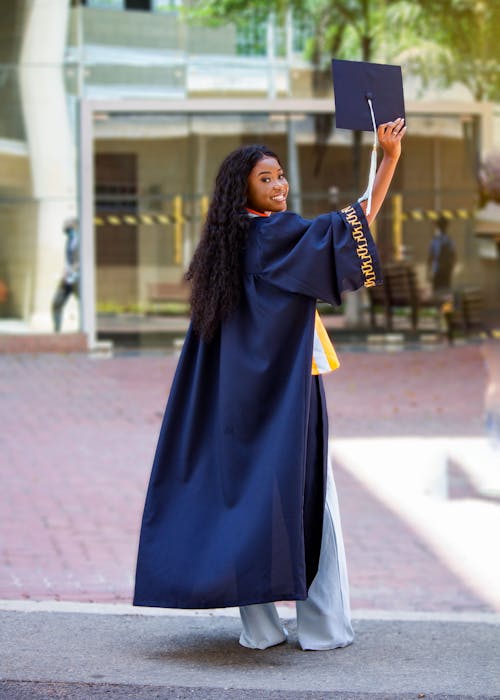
[225, 517]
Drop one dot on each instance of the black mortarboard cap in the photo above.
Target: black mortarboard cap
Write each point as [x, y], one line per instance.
[367, 95]
[356, 81]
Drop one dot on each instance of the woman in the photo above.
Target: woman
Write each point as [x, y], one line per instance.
[239, 511]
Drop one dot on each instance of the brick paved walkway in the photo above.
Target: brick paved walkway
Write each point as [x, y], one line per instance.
[77, 441]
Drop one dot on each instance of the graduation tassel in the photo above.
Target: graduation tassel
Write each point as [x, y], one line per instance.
[373, 161]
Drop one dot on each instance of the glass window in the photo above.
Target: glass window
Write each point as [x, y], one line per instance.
[251, 37]
[166, 5]
[106, 4]
[303, 31]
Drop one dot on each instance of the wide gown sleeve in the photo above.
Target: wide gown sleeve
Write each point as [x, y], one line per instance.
[322, 257]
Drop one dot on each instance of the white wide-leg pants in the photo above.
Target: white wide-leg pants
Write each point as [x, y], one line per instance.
[324, 618]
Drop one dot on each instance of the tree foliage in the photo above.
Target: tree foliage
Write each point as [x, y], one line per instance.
[441, 41]
[455, 41]
[345, 28]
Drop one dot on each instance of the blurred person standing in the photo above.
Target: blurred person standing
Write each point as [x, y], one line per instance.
[70, 281]
[441, 259]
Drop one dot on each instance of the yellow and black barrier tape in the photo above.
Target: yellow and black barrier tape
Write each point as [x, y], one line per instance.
[140, 219]
[145, 219]
[435, 214]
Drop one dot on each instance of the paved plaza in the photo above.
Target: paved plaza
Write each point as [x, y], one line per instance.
[419, 494]
[78, 437]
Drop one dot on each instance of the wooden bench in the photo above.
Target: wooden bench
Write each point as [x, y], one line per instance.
[168, 297]
[467, 314]
[400, 290]
[168, 291]
[462, 310]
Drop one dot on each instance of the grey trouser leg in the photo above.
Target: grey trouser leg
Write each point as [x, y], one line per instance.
[261, 626]
[324, 619]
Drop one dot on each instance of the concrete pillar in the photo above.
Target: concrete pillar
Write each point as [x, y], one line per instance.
[293, 166]
[271, 56]
[50, 144]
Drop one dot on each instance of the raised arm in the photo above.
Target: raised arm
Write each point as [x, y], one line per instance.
[389, 138]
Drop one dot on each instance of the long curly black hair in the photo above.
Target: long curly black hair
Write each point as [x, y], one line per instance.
[215, 270]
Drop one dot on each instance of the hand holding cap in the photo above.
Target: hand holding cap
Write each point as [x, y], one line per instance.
[366, 96]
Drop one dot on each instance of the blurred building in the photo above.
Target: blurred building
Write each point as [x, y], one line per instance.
[118, 113]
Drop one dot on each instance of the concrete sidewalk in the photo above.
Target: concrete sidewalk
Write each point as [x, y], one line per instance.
[170, 655]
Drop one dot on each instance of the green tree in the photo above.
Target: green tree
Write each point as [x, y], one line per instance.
[340, 27]
[352, 29]
[453, 41]
[442, 41]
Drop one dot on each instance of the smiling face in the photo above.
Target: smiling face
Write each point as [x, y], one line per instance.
[267, 187]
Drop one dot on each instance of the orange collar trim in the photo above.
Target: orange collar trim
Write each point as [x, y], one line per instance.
[257, 213]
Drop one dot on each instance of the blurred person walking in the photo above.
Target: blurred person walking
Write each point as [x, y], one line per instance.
[241, 508]
[70, 281]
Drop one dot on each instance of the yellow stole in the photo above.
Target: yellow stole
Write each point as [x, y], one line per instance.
[324, 356]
